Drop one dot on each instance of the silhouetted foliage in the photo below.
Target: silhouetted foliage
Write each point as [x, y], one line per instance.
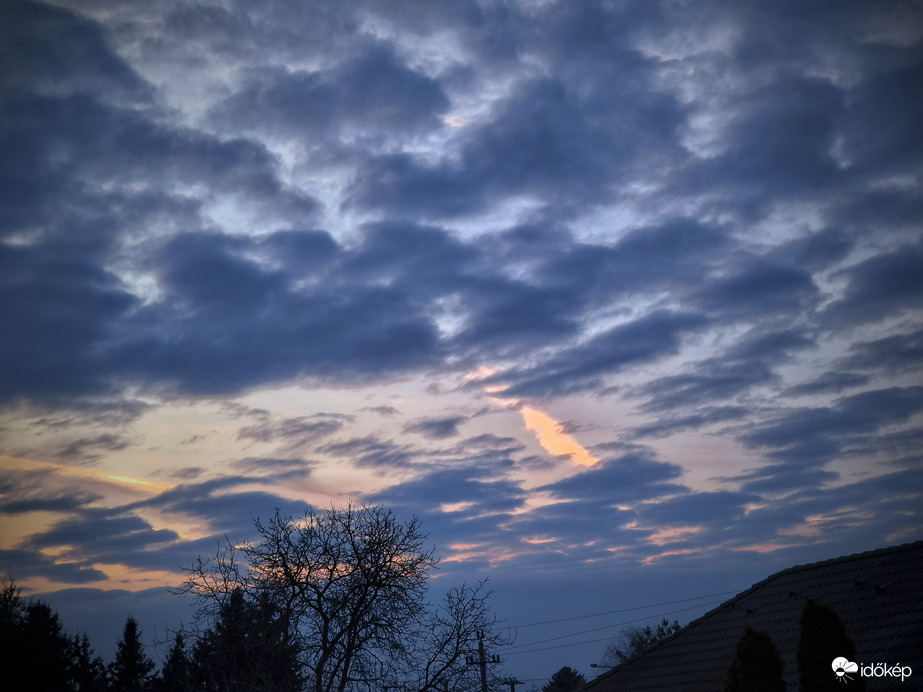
[823, 638]
[248, 649]
[565, 680]
[634, 639]
[344, 592]
[87, 672]
[45, 655]
[756, 666]
[131, 669]
[36, 654]
[176, 674]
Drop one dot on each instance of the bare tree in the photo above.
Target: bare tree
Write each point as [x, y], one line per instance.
[350, 587]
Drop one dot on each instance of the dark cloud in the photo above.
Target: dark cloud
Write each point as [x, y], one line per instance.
[63, 306]
[23, 494]
[886, 103]
[102, 536]
[231, 323]
[372, 89]
[226, 508]
[435, 428]
[373, 452]
[886, 284]
[386, 411]
[830, 381]
[41, 45]
[706, 416]
[813, 436]
[780, 141]
[666, 256]
[761, 289]
[277, 469]
[719, 508]
[582, 367]
[90, 448]
[690, 213]
[629, 478]
[564, 139]
[449, 486]
[893, 354]
[292, 431]
[747, 364]
[22, 564]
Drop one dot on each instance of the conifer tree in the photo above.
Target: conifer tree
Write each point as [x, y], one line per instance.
[246, 650]
[756, 666]
[44, 649]
[823, 638]
[87, 673]
[176, 674]
[131, 669]
[565, 680]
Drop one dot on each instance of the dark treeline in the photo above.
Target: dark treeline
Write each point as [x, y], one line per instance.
[330, 602]
[242, 651]
[37, 655]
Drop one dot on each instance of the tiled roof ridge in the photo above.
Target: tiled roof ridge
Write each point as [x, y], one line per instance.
[772, 577]
[803, 568]
[843, 558]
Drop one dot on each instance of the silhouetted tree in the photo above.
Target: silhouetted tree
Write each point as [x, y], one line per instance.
[248, 649]
[346, 591]
[131, 669]
[176, 673]
[756, 666]
[634, 639]
[12, 621]
[36, 655]
[565, 680]
[823, 638]
[44, 649]
[87, 672]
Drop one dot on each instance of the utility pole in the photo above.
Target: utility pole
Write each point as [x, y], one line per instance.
[482, 661]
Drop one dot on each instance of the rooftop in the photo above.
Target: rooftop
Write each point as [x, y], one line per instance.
[878, 595]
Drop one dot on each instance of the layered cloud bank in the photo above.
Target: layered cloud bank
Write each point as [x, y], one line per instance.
[611, 285]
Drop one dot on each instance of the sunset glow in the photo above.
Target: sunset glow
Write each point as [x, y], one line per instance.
[620, 301]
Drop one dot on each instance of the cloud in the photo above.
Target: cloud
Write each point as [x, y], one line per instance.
[22, 564]
[629, 478]
[780, 139]
[269, 224]
[761, 289]
[894, 354]
[883, 285]
[707, 415]
[581, 367]
[297, 431]
[42, 44]
[830, 381]
[371, 90]
[813, 436]
[747, 364]
[372, 452]
[82, 449]
[435, 428]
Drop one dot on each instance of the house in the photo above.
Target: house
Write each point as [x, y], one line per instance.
[878, 596]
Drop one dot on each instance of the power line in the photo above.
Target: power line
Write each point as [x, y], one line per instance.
[507, 652]
[624, 610]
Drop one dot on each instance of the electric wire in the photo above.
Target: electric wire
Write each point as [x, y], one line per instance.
[624, 610]
[508, 651]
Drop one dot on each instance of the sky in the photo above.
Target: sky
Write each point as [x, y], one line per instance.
[622, 299]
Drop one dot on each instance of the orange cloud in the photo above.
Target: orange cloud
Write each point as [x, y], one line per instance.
[552, 437]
